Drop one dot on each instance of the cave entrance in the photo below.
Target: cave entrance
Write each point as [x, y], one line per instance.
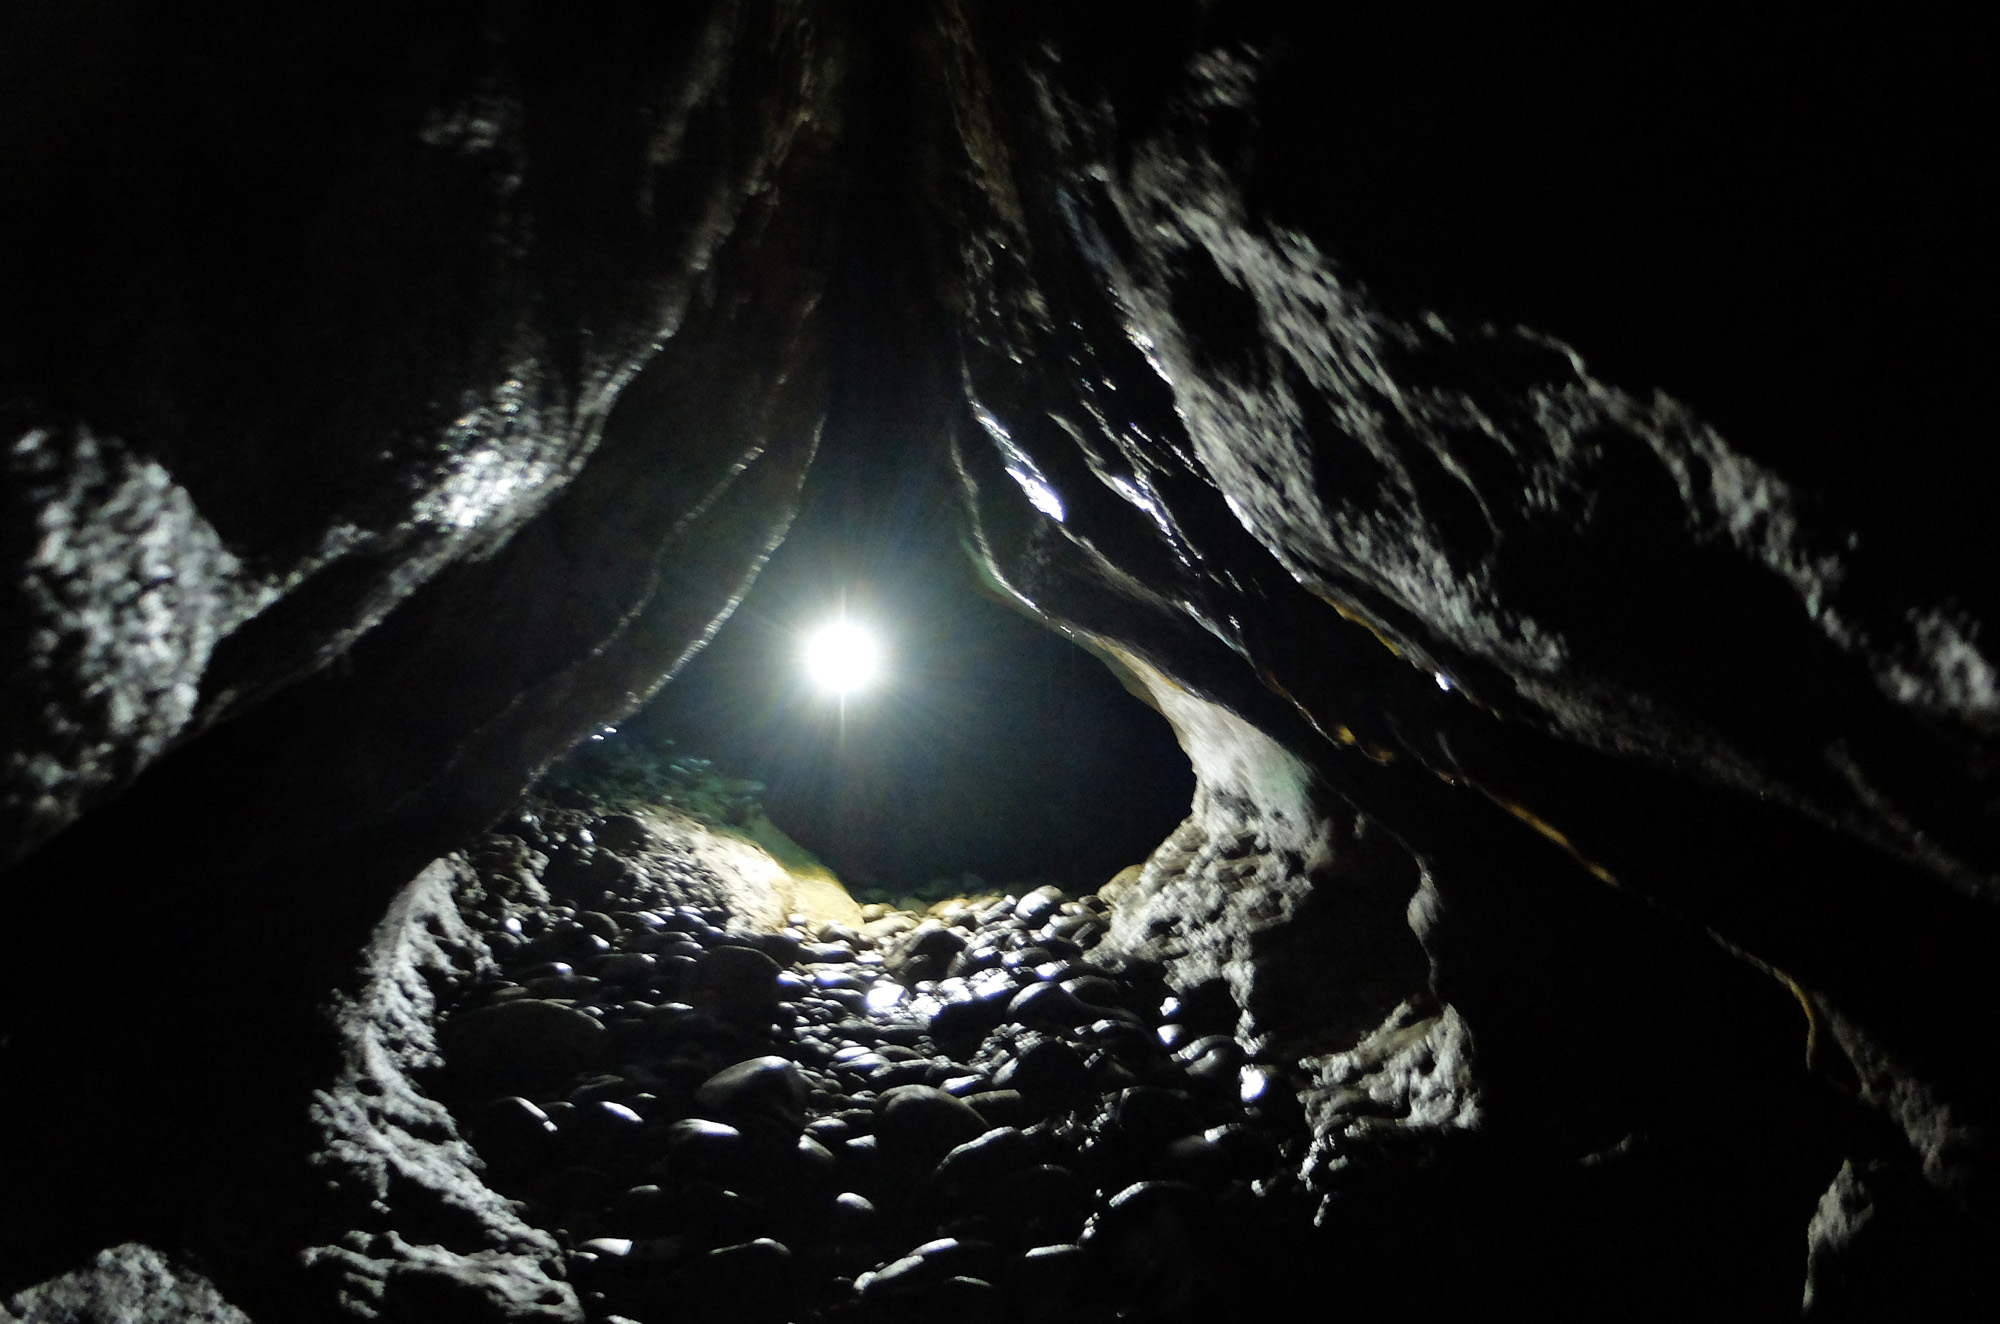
[992, 746]
[991, 754]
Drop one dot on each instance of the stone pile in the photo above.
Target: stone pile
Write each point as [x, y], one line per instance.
[955, 1115]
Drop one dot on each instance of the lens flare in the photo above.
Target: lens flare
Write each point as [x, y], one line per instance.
[842, 657]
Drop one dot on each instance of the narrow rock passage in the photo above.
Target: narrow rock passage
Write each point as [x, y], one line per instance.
[956, 1115]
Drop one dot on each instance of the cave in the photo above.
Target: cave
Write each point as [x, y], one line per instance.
[1499, 496]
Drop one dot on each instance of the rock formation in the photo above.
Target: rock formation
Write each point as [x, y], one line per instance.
[1531, 469]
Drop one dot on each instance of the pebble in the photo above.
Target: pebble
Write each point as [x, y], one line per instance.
[740, 983]
[514, 1137]
[922, 1119]
[1048, 1066]
[767, 1086]
[526, 1046]
[984, 1160]
[925, 1122]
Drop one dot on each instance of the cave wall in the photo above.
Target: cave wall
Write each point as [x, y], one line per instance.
[1626, 682]
[393, 404]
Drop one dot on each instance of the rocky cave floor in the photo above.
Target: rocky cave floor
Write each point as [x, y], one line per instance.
[946, 1115]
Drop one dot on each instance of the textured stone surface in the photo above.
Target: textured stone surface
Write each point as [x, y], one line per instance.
[419, 424]
[1625, 669]
[129, 1284]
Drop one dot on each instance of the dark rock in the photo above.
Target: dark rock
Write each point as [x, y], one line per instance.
[738, 983]
[983, 1161]
[1152, 1116]
[1150, 1237]
[1044, 1067]
[697, 1149]
[784, 948]
[1038, 905]
[625, 968]
[1049, 1007]
[1043, 1203]
[959, 1026]
[768, 1087]
[1003, 1107]
[1052, 1280]
[514, 1138]
[925, 1123]
[526, 1046]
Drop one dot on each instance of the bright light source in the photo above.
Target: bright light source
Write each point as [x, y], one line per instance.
[842, 657]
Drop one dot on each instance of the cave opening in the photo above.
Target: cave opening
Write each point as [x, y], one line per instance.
[995, 753]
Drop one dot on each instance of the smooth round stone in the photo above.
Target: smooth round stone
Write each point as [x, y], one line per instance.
[1152, 1116]
[1149, 1237]
[1050, 1007]
[1197, 1159]
[578, 1188]
[711, 1212]
[1250, 1153]
[930, 1264]
[527, 1046]
[514, 1137]
[1038, 905]
[606, 1123]
[600, 924]
[694, 1147]
[813, 1161]
[608, 1086]
[1026, 958]
[750, 1258]
[1047, 1275]
[924, 1121]
[1215, 1058]
[1044, 1203]
[984, 1160]
[576, 988]
[769, 1087]
[784, 948]
[976, 957]
[1002, 1107]
[1108, 1075]
[830, 1130]
[621, 832]
[928, 951]
[622, 967]
[1048, 1066]
[735, 982]
[645, 1211]
[852, 1213]
[545, 970]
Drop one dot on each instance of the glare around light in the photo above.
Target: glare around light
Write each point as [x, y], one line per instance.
[842, 657]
